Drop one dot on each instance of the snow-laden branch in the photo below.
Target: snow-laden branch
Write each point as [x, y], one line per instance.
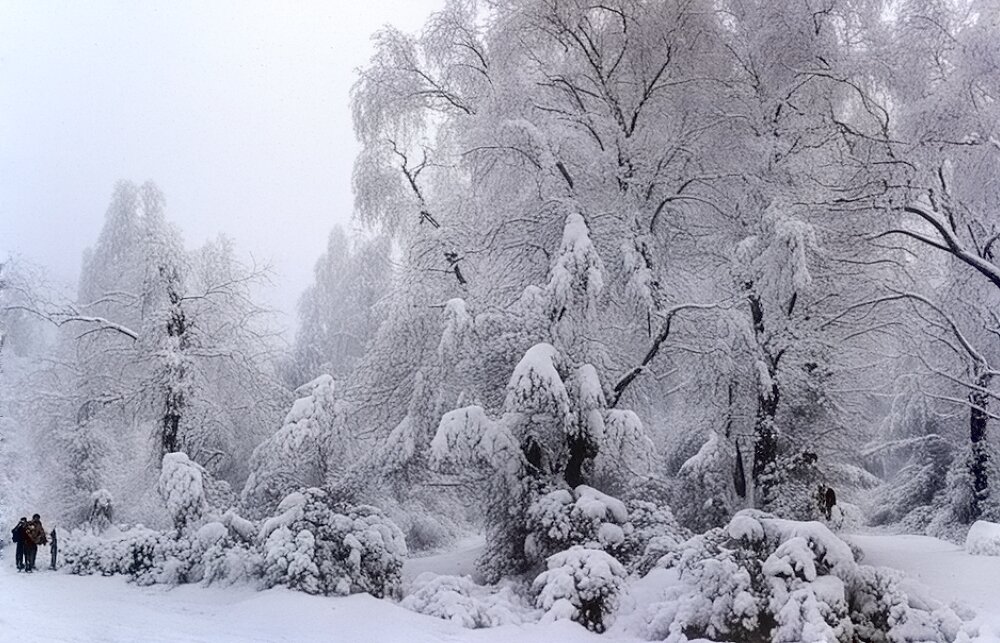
[952, 245]
[62, 318]
[976, 356]
[654, 348]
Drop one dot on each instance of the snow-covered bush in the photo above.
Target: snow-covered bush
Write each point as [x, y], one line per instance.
[909, 494]
[458, 599]
[555, 430]
[228, 555]
[427, 533]
[983, 539]
[583, 516]
[321, 546]
[181, 487]
[101, 510]
[580, 584]
[145, 556]
[655, 533]
[315, 545]
[768, 579]
[706, 497]
[293, 456]
[790, 486]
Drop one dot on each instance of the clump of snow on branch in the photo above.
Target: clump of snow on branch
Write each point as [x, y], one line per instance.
[640, 280]
[576, 279]
[457, 325]
[469, 435]
[536, 386]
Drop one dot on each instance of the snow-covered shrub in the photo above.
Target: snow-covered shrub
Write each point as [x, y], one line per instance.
[458, 599]
[293, 456]
[555, 430]
[956, 507]
[768, 579]
[790, 487]
[227, 555]
[561, 518]
[908, 494]
[426, 533]
[706, 497]
[182, 490]
[580, 584]
[983, 539]
[583, 516]
[145, 556]
[101, 510]
[321, 546]
[655, 533]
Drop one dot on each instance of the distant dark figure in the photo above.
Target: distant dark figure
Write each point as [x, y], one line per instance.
[34, 536]
[53, 548]
[829, 500]
[17, 535]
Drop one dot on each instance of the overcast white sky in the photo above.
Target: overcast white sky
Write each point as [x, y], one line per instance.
[238, 110]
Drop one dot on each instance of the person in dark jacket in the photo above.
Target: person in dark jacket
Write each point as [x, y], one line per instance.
[829, 502]
[17, 535]
[34, 536]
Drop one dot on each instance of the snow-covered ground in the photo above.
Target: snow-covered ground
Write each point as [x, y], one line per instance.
[52, 606]
[944, 571]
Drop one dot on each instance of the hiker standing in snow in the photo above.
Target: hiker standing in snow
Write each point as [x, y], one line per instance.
[17, 535]
[34, 536]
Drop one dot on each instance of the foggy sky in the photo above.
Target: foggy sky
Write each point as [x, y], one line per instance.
[237, 110]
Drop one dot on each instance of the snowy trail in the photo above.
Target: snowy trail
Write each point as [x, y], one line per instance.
[52, 607]
[942, 570]
[459, 562]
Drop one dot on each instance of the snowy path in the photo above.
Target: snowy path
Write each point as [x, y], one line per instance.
[52, 607]
[943, 570]
[60, 608]
[459, 562]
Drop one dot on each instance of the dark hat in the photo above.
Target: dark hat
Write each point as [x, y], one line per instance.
[36, 517]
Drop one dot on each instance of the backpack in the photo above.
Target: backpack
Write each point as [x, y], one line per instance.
[34, 533]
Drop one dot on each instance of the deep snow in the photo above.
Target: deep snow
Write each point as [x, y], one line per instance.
[943, 570]
[51, 606]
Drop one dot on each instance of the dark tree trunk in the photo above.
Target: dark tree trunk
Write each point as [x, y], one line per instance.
[765, 451]
[979, 461]
[177, 327]
[739, 475]
[580, 452]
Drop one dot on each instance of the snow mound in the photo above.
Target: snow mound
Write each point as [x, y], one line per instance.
[983, 539]
[458, 599]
